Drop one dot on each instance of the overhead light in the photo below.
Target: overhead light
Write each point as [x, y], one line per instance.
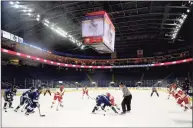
[47, 21]
[79, 43]
[38, 19]
[46, 24]
[57, 31]
[24, 10]
[29, 10]
[188, 10]
[178, 26]
[16, 6]
[11, 3]
[69, 36]
[184, 16]
[82, 47]
[17, 2]
[181, 20]
[29, 14]
[191, 3]
[38, 16]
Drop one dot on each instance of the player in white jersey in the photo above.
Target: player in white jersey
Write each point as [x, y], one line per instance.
[58, 96]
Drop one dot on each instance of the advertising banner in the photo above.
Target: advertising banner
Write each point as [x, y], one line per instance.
[6, 35]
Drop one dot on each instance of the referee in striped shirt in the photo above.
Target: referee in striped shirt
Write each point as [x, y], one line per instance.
[126, 98]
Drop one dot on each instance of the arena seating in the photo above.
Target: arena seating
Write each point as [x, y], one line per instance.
[26, 76]
[175, 55]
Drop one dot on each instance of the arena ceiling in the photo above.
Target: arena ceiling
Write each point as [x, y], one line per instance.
[146, 25]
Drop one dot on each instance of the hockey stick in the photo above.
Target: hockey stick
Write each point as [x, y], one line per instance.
[40, 113]
[91, 97]
[22, 110]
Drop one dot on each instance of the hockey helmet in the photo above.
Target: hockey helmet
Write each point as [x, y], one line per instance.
[39, 88]
[32, 88]
[108, 94]
[61, 87]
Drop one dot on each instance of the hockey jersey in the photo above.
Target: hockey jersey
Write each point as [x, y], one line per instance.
[26, 94]
[8, 94]
[34, 96]
[85, 91]
[59, 92]
[103, 99]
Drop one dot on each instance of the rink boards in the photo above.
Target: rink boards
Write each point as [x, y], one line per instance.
[20, 91]
[68, 90]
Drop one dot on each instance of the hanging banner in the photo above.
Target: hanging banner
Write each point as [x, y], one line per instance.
[139, 53]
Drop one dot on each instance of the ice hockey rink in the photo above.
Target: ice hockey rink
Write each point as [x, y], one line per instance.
[146, 112]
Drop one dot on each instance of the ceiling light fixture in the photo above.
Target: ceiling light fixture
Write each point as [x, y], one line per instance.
[29, 14]
[82, 47]
[38, 19]
[47, 21]
[188, 10]
[17, 2]
[16, 6]
[46, 24]
[29, 10]
[11, 3]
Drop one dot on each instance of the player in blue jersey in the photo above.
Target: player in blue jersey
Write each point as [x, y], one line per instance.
[103, 101]
[8, 97]
[34, 101]
[24, 99]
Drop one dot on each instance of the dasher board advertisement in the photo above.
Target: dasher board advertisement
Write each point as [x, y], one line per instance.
[93, 26]
[109, 34]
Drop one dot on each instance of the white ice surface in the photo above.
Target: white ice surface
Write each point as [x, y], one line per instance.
[146, 112]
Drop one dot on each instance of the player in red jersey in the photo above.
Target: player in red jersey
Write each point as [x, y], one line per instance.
[58, 96]
[172, 90]
[182, 97]
[112, 100]
[85, 92]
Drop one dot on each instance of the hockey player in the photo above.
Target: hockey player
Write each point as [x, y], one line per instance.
[85, 92]
[172, 90]
[24, 99]
[58, 96]
[34, 101]
[47, 90]
[8, 97]
[182, 97]
[112, 100]
[103, 101]
[154, 90]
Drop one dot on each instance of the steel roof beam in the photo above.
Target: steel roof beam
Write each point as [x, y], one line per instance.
[177, 14]
[127, 21]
